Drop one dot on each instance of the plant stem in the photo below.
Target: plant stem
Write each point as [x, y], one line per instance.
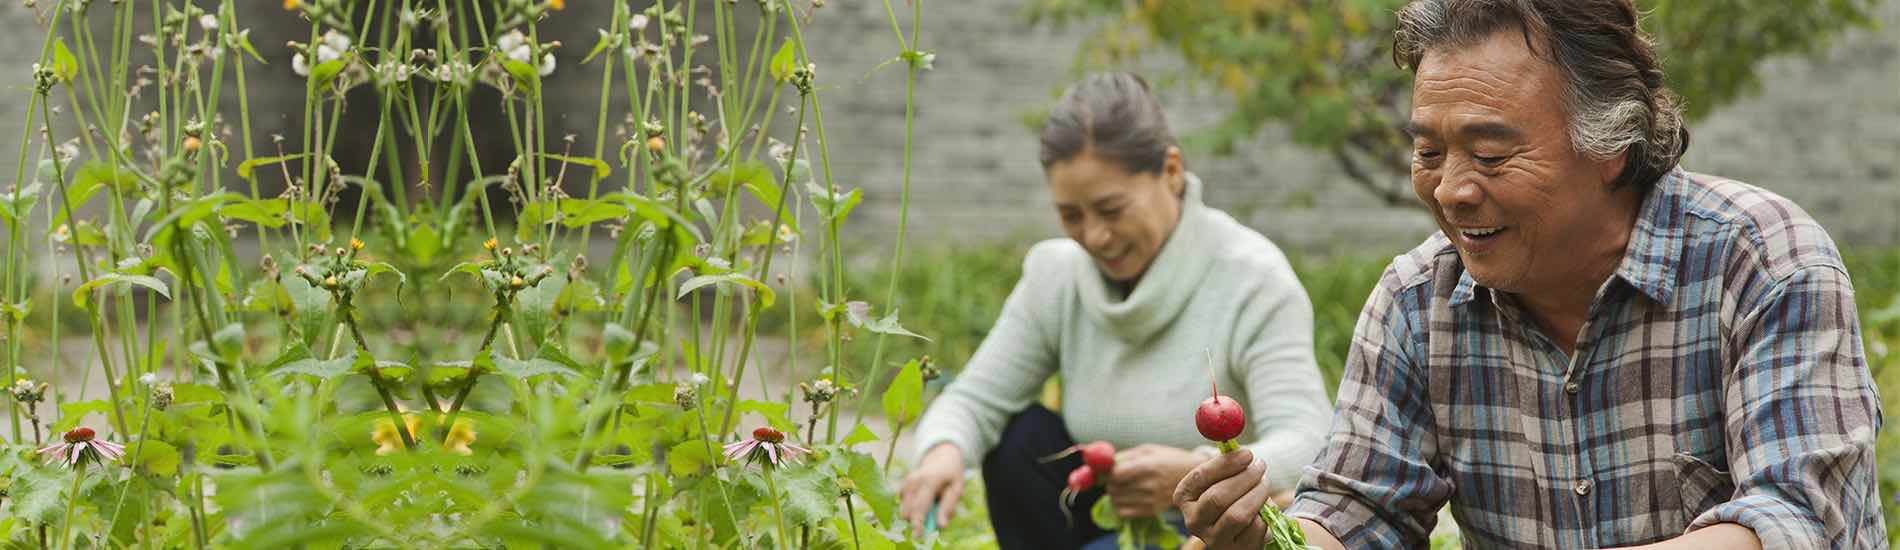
[778, 514]
[72, 501]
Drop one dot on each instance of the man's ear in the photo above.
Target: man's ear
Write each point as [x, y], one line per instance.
[1613, 168]
[1174, 171]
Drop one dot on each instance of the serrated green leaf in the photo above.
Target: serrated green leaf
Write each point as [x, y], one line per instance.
[784, 61]
[516, 368]
[903, 400]
[82, 295]
[65, 65]
[766, 295]
[247, 168]
[264, 212]
[158, 457]
[687, 458]
[71, 414]
[859, 434]
[325, 369]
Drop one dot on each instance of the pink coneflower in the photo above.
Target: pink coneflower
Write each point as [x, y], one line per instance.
[80, 446]
[768, 443]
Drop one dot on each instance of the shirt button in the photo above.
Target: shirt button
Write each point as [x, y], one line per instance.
[1583, 487]
[1573, 387]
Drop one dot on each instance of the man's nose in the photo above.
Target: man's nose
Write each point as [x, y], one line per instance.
[1459, 189]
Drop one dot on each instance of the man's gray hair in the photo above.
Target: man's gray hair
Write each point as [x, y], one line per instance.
[1616, 99]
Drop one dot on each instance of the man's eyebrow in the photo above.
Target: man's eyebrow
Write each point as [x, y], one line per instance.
[1480, 130]
[1104, 202]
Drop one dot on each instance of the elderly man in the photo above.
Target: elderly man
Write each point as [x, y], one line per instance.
[1598, 349]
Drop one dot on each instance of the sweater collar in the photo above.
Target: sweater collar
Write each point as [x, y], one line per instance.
[1168, 283]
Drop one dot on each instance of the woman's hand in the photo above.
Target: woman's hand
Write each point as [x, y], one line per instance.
[1145, 477]
[938, 479]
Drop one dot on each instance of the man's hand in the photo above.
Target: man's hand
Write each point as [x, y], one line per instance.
[937, 479]
[1221, 501]
[1145, 477]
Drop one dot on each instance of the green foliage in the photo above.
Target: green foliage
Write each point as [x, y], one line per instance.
[1324, 69]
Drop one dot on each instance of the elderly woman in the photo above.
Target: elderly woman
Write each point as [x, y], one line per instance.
[1152, 294]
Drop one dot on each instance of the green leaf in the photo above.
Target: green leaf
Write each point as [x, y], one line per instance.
[888, 325]
[246, 168]
[524, 74]
[600, 167]
[863, 470]
[834, 206]
[70, 414]
[325, 369]
[87, 184]
[766, 295]
[17, 206]
[784, 61]
[904, 399]
[860, 434]
[81, 295]
[264, 212]
[65, 66]
[229, 341]
[1104, 516]
[606, 41]
[195, 393]
[773, 413]
[516, 368]
[158, 457]
[326, 71]
[687, 458]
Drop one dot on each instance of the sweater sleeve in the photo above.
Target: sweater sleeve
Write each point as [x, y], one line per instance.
[1273, 357]
[1007, 370]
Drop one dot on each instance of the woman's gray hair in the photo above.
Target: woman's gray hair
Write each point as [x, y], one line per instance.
[1616, 99]
[1113, 117]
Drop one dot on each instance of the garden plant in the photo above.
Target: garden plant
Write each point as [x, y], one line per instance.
[422, 353]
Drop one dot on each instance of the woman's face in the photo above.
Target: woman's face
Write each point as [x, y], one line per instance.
[1121, 218]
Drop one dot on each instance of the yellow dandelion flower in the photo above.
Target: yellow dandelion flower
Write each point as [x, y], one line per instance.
[292, 4]
[356, 244]
[489, 244]
[460, 436]
[385, 436]
[557, 5]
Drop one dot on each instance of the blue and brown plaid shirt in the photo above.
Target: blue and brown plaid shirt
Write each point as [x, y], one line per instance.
[1718, 378]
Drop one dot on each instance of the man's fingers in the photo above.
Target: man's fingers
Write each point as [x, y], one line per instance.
[1208, 473]
[1205, 514]
[1237, 524]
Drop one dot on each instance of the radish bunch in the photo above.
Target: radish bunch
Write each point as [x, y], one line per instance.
[1098, 461]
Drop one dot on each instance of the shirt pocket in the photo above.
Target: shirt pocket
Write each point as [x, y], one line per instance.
[1703, 485]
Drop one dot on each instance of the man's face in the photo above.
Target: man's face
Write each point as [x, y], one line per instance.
[1493, 161]
[1122, 218]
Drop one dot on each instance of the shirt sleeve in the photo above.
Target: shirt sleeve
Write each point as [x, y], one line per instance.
[1004, 374]
[1286, 396]
[1373, 485]
[1801, 413]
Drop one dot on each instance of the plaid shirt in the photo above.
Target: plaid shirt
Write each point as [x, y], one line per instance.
[1718, 378]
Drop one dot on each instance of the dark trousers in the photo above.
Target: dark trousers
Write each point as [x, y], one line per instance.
[1025, 495]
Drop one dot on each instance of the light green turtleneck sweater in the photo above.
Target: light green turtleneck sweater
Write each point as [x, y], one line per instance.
[1134, 368]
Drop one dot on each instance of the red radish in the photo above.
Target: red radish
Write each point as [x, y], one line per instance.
[1100, 456]
[768, 435]
[1220, 417]
[1081, 479]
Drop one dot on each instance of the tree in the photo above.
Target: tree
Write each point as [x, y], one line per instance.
[1324, 68]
